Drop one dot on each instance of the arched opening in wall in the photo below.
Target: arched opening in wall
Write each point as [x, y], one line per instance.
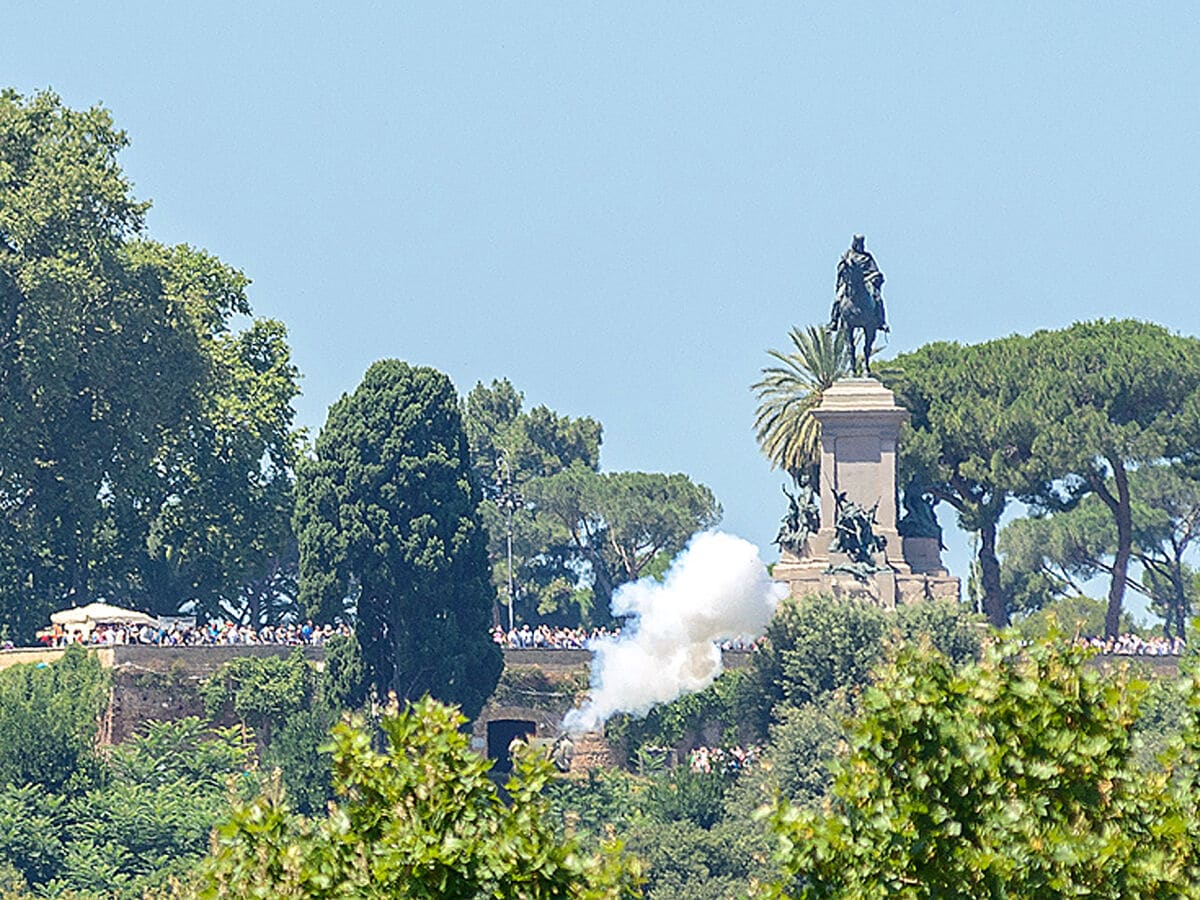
[500, 735]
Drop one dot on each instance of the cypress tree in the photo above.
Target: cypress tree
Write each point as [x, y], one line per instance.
[387, 520]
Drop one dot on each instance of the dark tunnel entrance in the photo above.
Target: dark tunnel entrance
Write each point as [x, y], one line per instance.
[500, 733]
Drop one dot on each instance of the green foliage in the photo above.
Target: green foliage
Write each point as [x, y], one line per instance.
[147, 817]
[818, 646]
[687, 862]
[813, 646]
[421, 820]
[291, 709]
[31, 836]
[1010, 776]
[1074, 615]
[1049, 418]
[387, 518]
[683, 795]
[973, 437]
[610, 528]
[296, 751]
[144, 449]
[1051, 555]
[92, 362]
[620, 523]
[600, 804]
[787, 432]
[343, 682]
[671, 724]
[796, 762]
[48, 716]
[1166, 528]
[1162, 718]
[260, 690]
[533, 444]
[221, 532]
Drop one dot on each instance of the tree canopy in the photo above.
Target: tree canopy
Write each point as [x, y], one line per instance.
[973, 437]
[144, 448]
[511, 446]
[578, 533]
[421, 819]
[1114, 396]
[387, 521]
[1011, 776]
[620, 523]
[788, 393]
[1048, 419]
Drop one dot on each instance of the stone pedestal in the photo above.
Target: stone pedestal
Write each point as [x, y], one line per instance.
[860, 424]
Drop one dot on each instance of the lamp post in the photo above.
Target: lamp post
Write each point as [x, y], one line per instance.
[509, 500]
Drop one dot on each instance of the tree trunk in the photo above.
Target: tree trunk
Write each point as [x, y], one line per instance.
[1177, 612]
[989, 571]
[1123, 514]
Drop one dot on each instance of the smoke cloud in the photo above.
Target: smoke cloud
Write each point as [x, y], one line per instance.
[716, 589]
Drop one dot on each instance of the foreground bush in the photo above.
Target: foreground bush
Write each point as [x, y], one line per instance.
[421, 820]
[1013, 776]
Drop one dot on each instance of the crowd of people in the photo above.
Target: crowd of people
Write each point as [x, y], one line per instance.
[722, 759]
[178, 634]
[541, 637]
[560, 637]
[1136, 645]
[549, 637]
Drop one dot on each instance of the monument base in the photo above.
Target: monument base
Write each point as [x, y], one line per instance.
[889, 587]
[860, 424]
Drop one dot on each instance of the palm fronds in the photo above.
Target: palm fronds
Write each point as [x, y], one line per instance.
[787, 432]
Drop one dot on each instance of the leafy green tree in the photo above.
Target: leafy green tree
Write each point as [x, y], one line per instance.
[1010, 776]
[221, 538]
[1075, 615]
[290, 707]
[817, 648]
[1050, 557]
[261, 691]
[1115, 395]
[1167, 513]
[146, 818]
[534, 443]
[387, 519]
[144, 449]
[422, 819]
[93, 363]
[48, 718]
[975, 438]
[620, 523]
[508, 442]
[813, 647]
[684, 861]
[788, 393]
[344, 678]
[1053, 555]
[797, 761]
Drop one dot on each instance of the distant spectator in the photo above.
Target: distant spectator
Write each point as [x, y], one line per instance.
[215, 633]
[1136, 645]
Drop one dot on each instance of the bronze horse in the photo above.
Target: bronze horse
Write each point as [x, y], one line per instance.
[858, 303]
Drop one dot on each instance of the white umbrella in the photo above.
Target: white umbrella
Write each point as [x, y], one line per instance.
[100, 614]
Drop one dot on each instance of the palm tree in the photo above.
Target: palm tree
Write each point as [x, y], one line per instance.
[788, 393]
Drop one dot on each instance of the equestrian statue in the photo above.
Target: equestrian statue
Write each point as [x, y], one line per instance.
[858, 302]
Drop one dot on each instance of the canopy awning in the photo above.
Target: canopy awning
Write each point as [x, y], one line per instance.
[101, 614]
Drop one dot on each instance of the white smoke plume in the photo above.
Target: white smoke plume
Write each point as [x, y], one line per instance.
[716, 589]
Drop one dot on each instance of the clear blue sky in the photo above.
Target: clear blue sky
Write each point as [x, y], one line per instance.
[620, 207]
